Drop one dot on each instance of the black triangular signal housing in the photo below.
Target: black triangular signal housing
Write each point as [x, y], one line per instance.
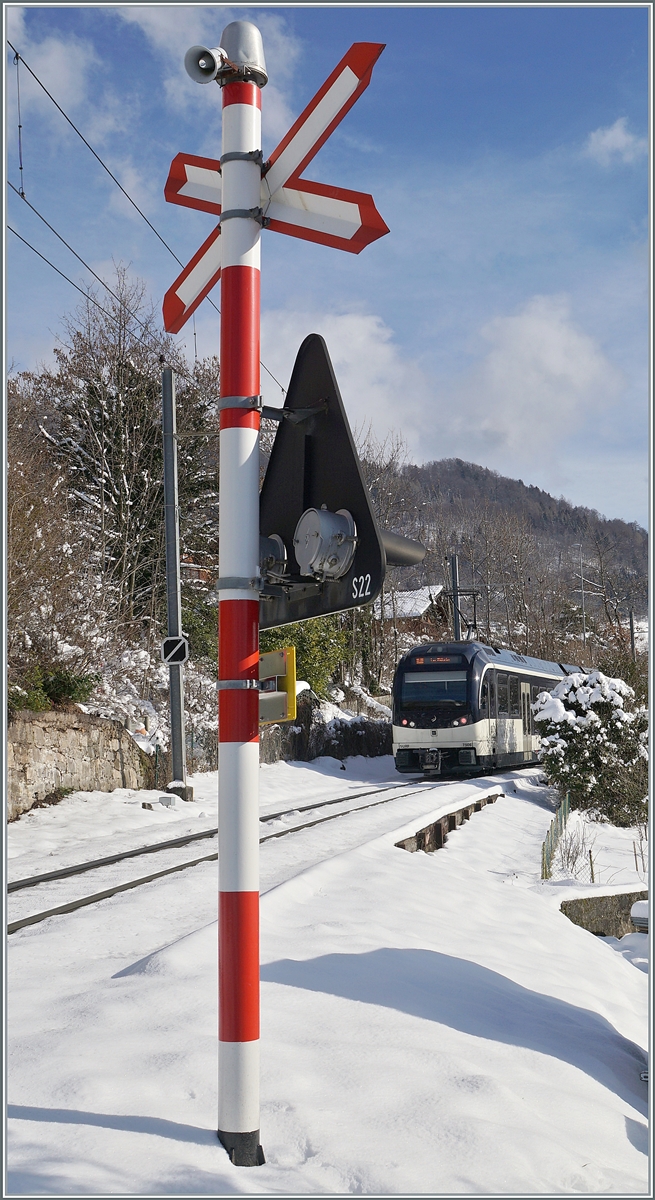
[314, 464]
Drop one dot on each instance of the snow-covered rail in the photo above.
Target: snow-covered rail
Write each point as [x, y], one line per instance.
[399, 790]
[173, 843]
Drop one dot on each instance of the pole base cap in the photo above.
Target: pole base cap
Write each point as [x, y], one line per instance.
[244, 1149]
[183, 791]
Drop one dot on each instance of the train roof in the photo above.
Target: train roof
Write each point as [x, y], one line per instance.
[489, 654]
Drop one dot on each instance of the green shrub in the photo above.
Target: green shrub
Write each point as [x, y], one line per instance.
[60, 684]
[39, 689]
[321, 644]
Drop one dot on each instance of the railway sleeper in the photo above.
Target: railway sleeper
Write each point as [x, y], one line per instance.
[434, 836]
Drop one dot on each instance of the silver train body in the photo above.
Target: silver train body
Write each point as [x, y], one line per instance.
[463, 708]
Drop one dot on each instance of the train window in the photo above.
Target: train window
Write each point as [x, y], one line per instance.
[503, 695]
[492, 694]
[484, 698]
[514, 706]
[421, 689]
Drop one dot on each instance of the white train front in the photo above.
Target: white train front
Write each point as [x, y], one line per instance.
[463, 708]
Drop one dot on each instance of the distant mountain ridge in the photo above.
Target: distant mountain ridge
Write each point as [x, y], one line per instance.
[453, 480]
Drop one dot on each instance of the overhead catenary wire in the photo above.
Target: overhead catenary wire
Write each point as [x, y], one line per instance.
[19, 58]
[85, 294]
[78, 256]
[20, 126]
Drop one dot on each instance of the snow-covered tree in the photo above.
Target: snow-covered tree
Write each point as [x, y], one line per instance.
[103, 425]
[86, 559]
[594, 745]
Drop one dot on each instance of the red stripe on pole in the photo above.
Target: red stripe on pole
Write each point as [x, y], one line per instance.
[240, 418]
[238, 715]
[240, 331]
[238, 966]
[242, 93]
[238, 647]
[238, 657]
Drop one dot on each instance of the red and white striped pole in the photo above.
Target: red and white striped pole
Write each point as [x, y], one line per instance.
[238, 949]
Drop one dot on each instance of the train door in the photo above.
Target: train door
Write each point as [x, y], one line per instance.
[486, 741]
[526, 714]
[493, 713]
[502, 727]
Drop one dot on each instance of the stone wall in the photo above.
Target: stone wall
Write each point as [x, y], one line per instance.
[52, 751]
[608, 916]
[55, 751]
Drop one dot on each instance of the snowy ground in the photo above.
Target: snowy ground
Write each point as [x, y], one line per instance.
[430, 1023]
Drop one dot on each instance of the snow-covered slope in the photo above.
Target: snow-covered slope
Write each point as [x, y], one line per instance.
[430, 1023]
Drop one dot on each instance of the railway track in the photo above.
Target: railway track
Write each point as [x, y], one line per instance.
[399, 791]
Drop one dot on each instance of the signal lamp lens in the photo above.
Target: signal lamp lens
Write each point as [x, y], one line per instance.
[404, 722]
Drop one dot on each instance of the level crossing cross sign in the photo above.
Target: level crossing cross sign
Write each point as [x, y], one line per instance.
[316, 212]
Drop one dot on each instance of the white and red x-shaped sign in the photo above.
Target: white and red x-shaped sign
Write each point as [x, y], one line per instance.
[316, 212]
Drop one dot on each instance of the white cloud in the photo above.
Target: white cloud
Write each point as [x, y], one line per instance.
[540, 381]
[614, 144]
[143, 189]
[376, 383]
[64, 66]
[524, 404]
[170, 30]
[71, 70]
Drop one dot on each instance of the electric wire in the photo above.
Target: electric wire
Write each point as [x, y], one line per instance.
[94, 153]
[19, 58]
[20, 127]
[78, 257]
[87, 295]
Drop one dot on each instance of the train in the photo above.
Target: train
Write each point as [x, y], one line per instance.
[465, 708]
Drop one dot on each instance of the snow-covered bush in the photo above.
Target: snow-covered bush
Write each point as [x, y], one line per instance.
[594, 745]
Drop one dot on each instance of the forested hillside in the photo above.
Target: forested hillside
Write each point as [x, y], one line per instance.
[86, 564]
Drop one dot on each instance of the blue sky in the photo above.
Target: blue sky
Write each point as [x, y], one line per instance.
[504, 319]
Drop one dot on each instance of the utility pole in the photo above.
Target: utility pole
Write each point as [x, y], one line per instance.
[238, 621]
[454, 571]
[584, 619]
[247, 194]
[632, 635]
[173, 594]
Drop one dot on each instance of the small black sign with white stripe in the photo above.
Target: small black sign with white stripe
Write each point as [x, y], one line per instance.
[174, 650]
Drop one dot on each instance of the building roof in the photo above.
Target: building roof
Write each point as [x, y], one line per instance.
[407, 605]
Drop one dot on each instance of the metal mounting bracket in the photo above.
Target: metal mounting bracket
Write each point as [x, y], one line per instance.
[238, 685]
[255, 156]
[295, 415]
[254, 214]
[254, 402]
[238, 583]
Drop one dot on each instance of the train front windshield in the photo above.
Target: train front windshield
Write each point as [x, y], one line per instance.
[429, 689]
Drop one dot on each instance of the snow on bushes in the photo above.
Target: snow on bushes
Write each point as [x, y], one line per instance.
[594, 745]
